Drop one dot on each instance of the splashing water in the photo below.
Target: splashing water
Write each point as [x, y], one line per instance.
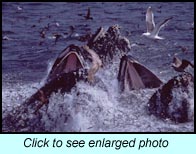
[93, 107]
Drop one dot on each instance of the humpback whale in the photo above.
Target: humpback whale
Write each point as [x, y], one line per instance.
[133, 75]
[171, 100]
[67, 69]
[72, 63]
[76, 63]
[152, 29]
[109, 43]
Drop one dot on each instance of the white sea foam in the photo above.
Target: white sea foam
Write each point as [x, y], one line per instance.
[93, 107]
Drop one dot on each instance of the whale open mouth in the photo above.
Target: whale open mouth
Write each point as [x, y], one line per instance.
[133, 75]
[69, 60]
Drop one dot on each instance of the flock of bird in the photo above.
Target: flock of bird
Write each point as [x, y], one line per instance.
[152, 33]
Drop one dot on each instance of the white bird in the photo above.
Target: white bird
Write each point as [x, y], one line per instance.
[152, 29]
[19, 8]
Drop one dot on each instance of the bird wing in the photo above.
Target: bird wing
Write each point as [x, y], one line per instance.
[150, 20]
[185, 63]
[160, 25]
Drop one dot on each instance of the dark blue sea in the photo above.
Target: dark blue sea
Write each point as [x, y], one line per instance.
[27, 57]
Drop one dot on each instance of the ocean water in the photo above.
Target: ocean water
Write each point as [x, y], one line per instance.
[27, 58]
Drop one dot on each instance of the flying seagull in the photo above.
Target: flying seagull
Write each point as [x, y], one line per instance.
[152, 29]
[181, 65]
